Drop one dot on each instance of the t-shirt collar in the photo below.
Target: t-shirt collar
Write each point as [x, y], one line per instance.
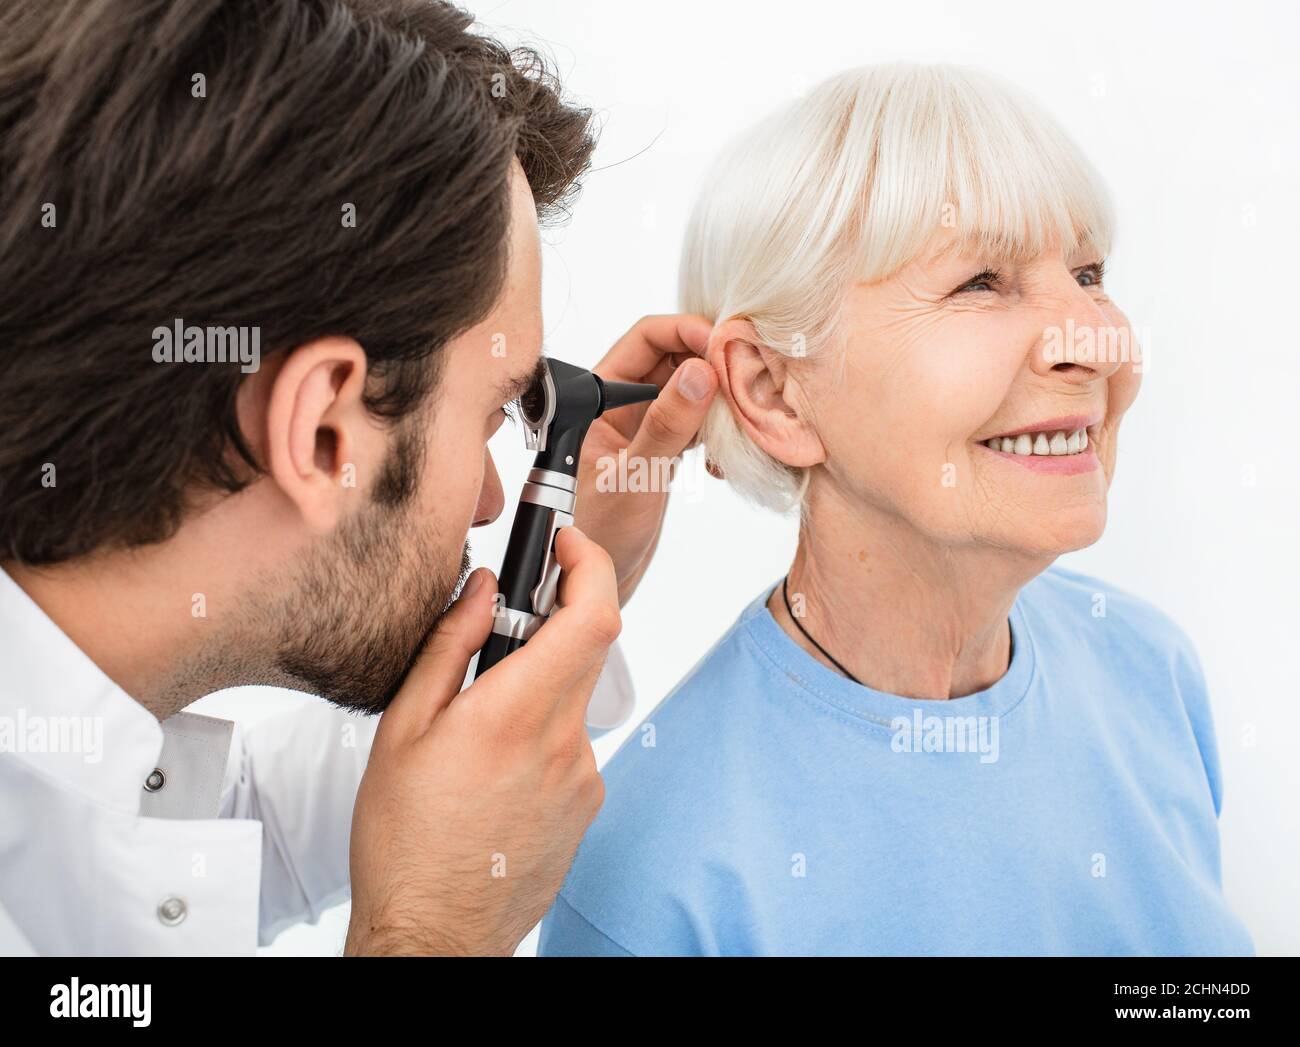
[882, 707]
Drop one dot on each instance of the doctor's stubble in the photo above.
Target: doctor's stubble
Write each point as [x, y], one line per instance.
[349, 621]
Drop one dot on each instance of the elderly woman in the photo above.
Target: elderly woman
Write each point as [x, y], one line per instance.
[925, 738]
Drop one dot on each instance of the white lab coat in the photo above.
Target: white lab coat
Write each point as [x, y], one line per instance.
[240, 834]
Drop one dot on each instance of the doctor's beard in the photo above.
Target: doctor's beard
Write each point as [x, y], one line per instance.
[355, 615]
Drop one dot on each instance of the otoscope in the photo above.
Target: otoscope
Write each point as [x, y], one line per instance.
[556, 410]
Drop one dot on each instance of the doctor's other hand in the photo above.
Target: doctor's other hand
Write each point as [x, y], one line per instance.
[622, 517]
[472, 804]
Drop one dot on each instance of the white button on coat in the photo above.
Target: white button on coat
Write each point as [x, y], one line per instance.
[172, 912]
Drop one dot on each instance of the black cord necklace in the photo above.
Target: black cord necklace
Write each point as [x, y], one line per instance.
[785, 594]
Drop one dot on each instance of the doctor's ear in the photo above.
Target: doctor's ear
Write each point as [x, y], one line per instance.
[306, 420]
[764, 396]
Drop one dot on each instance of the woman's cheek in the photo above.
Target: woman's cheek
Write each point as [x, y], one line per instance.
[1124, 386]
[1127, 380]
[962, 391]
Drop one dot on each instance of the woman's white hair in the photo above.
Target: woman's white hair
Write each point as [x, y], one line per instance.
[847, 184]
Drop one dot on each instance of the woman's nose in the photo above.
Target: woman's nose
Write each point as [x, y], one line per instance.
[491, 499]
[1080, 341]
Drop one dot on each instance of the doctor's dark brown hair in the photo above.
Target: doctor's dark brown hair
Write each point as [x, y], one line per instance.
[192, 159]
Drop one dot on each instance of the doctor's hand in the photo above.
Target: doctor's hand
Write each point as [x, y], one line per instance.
[668, 351]
[473, 803]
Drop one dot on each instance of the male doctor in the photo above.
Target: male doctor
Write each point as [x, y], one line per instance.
[348, 191]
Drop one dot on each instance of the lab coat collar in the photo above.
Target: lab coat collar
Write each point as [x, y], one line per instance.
[49, 686]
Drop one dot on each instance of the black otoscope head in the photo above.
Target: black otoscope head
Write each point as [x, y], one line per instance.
[560, 405]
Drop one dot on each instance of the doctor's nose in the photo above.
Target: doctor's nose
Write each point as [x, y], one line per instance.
[491, 499]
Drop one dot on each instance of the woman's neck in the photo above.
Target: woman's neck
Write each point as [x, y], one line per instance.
[903, 613]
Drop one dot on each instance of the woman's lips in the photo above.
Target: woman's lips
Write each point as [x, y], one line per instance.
[1063, 458]
[1059, 464]
[1067, 423]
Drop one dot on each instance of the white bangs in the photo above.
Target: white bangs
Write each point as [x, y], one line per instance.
[961, 149]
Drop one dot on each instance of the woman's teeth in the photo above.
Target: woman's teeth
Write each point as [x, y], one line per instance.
[1059, 442]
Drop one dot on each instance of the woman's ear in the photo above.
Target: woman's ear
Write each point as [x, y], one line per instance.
[764, 397]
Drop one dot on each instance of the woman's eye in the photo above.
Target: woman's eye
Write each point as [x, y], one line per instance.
[980, 281]
[510, 411]
[1093, 274]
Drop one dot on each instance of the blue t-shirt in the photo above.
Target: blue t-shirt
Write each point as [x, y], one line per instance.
[770, 805]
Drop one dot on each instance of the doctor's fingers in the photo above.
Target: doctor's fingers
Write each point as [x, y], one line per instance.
[650, 341]
[439, 669]
[553, 675]
[672, 421]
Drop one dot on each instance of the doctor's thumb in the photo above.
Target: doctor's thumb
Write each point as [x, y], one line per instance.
[440, 667]
[673, 419]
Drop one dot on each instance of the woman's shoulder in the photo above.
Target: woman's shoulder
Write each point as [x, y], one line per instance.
[674, 799]
[1065, 599]
[1141, 648]
[726, 672]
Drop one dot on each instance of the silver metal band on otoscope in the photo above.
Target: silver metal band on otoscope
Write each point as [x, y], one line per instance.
[553, 479]
[559, 493]
[549, 497]
[518, 625]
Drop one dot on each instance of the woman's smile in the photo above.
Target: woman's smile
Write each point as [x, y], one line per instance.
[1062, 446]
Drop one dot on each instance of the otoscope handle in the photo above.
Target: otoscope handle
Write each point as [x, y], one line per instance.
[530, 574]
[496, 648]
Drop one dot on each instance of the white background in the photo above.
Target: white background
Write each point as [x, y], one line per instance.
[1191, 115]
